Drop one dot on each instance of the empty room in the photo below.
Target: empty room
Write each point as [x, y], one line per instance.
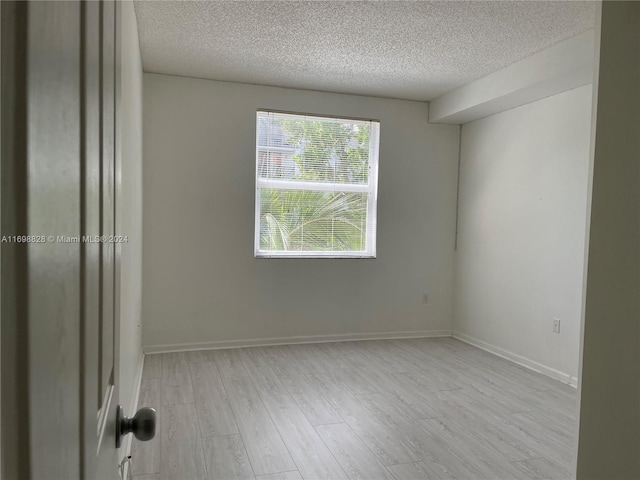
[320, 240]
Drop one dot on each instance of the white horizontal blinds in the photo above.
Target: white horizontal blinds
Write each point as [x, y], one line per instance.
[313, 149]
[312, 221]
[316, 185]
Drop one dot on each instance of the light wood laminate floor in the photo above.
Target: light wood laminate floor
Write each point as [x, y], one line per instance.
[390, 409]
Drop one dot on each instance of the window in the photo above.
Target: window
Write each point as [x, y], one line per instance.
[316, 186]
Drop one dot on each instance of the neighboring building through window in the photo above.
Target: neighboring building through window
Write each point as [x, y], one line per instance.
[316, 186]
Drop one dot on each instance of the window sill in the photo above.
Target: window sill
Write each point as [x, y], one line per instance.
[313, 255]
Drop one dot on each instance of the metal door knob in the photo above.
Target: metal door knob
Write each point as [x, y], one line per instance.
[142, 424]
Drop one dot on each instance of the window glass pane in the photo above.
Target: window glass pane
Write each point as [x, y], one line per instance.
[300, 148]
[312, 221]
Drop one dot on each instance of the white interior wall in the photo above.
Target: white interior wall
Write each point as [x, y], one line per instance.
[130, 210]
[202, 285]
[521, 231]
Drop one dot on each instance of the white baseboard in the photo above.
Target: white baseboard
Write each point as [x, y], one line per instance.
[518, 359]
[261, 342]
[132, 407]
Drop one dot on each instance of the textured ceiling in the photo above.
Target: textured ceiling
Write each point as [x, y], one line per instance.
[414, 50]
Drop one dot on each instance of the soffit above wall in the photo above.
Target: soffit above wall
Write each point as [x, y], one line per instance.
[411, 50]
[564, 66]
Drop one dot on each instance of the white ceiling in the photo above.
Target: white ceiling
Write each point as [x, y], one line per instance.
[413, 50]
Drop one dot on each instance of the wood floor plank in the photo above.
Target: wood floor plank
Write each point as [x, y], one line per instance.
[531, 439]
[261, 373]
[476, 461]
[379, 360]
[145, 456]
[215, 416]
[433, 379]
[334, 350]
[293, 475]
[182, 455]
[314, 406]
[528, 379]
[557, 427]
[201, 356]
[152, 366]
[428, 356]
[421, 443]
[343, 368]
[398, 404]
[555, 406]
[265, 447]
[490, 433]
[373, 370]
[554, 442]
[542, 469]
[151, 476]
[353, 381]
[311, 455]
[509, 401]
[226, 458]
[355, 458]
[311, 358]
[484, 460]
[413, 471]
[176, 379]
[381, 441]
[496, 426]
[415, 400]
[229, 362]
[430, 449]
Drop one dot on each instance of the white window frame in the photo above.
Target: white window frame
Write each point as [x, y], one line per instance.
[371, 189]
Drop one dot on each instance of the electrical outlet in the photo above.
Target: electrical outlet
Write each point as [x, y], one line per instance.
[556, 325]
[425, 298]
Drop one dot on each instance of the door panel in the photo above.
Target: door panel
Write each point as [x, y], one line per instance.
[107, 197]
[15, 392]
[53, 176]
[108, 367]
[107, 345]
[91, 175]
[58, 305]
